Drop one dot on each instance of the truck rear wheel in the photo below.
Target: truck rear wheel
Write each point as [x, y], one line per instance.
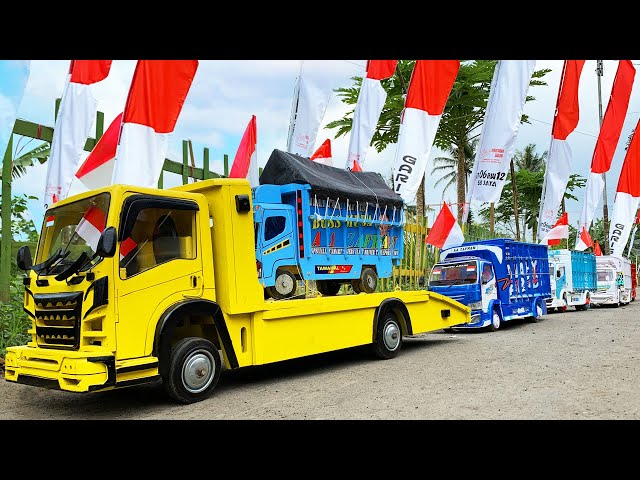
[368, 282]
[285, 285]
[194, 370]
[328, 287]
[388, 337]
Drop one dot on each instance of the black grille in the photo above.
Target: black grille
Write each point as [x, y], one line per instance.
[58, 320]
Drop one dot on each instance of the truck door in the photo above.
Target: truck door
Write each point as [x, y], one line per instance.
[159, 266]
[488, 285]
[275, 242]
[561, 280]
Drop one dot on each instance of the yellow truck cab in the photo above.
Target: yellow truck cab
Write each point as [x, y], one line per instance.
[132, 285]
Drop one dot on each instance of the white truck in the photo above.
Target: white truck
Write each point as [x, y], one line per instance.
[573, 279]
[614, 281]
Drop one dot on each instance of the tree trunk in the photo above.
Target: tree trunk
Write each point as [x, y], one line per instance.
[515, 200]
[461, 183]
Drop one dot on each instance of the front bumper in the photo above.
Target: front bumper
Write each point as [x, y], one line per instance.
[476, 322]
[71, 371]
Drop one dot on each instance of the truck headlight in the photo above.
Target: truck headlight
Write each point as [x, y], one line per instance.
[475, 305]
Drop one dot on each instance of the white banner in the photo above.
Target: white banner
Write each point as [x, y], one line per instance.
[501, 124]
[310, 106]
[555, 183]
[622, 221]
[592, 195]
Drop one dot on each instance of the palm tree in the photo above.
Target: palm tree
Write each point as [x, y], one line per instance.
[448, 166]
[21, 162]
[528, 159]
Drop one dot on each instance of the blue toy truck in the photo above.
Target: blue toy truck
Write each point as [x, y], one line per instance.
[573, 279]
[499, 279]
[317, 222]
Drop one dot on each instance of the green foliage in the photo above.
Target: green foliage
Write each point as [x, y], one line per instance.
[14, 323]
[448, 166]
[21, 227]
[22, 161]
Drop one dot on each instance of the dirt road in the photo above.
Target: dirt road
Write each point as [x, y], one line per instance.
[572, 365]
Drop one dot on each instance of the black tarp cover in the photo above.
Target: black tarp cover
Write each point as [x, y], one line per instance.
[326, 181]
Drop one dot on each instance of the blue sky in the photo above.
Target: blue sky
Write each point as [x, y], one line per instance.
[226, 93]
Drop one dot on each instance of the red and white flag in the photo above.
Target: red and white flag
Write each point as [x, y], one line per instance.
[445, 231]
[559, 231]
[625, 205]
[309, 106]
[606, 144]
[368, 109]
[156, 96]
[559, 160]
[597, 250]
[97, 169]
[585, 238]
[323, 154]
[76, 116]
[245, 163]
[91, 226]
[502, 121]
[429, 88]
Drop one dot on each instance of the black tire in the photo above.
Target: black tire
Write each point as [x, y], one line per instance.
[328, 288]
[194, 370]
[388, 339]
[285, 287]
[355, 284]
[368, 281]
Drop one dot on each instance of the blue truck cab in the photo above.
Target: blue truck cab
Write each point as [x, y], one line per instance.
[311, 223]
[499, 279]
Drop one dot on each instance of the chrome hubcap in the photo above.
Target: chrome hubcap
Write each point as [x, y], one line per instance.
[198, 371]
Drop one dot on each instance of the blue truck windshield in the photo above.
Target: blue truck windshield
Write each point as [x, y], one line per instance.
[454, 273]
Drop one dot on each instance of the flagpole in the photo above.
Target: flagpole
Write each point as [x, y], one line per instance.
[633, 236]
[605, 208]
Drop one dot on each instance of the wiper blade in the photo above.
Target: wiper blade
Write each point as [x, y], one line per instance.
[49, 261]
[73, 268]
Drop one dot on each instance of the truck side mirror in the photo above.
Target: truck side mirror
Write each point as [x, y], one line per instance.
[107, 243]
[23, 258]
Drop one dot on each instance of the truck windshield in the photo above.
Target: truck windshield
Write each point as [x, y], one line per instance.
[454, 273]
[605, 275]
[73, 228]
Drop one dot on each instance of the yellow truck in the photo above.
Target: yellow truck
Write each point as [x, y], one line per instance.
[132, 285]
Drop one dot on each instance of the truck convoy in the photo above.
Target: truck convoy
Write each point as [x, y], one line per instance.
[573, 279]
[134, 285]
[498, 279]
[614, 281]
[317, 222]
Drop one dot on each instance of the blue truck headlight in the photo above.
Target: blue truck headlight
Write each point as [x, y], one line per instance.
[475, 305]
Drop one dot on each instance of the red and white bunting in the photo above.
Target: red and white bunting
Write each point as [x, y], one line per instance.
[429, 89]
[156, 96]
[369, 106]
[606, 143]
[76, 116]
[445, 231]
[97, 169]
[627, 196]
[323, 154]
[559, 160]
[245, 163]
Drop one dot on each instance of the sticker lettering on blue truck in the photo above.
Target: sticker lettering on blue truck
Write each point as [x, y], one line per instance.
[329, 269]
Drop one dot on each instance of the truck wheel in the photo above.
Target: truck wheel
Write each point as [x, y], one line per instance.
[388, 337]
[285, 285]
[194, 370]
[537, 313]
[355, 284]
[368, 280]
[328, 287]
[495, 322]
